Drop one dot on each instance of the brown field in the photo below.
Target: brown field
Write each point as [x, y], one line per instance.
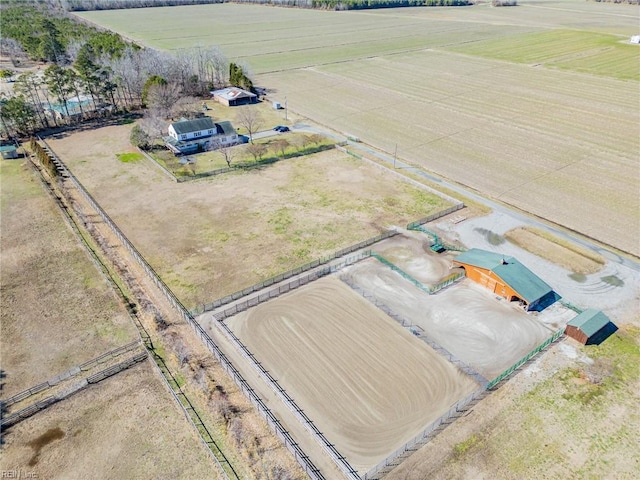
[127, 426]
[529, 142]
[57, 310]
[212, 237]
[368, 384]
[569, 256]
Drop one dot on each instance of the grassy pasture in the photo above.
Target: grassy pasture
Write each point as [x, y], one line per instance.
[580, 51]
[547, 139]
[274, 39]
[57, 310]
[578, 424]
[213, 237]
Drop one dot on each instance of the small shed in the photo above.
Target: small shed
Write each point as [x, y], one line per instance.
[8, 151]
[591, 327]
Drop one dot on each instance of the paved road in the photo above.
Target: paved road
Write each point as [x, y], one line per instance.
[495, 206]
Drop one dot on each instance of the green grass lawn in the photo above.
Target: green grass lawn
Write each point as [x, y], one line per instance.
[580, 51]
[214, 160]
[581, 423]
[129, 157]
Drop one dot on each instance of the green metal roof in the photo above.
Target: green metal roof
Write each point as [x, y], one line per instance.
[195, 125]
[590, 321]
[7, 148]
[528, 285]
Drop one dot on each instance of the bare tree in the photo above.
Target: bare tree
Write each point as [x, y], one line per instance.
[256, 150]
[250, 119]
[153, 123]
[163, 97]
[218, 67]
[280, 145]
[227, 151]
[186, 107]
[13, 49]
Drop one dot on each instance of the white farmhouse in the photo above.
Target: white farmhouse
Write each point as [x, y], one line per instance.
[189, 136]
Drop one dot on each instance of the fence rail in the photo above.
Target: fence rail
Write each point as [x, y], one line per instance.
[340, 461]
[556, 335]
[27, 412]
[187, 408]
[301, 457]
[414, 330]
[72, 372]
[435, 427]
[435, 216]
[425, 288]
[293, 272]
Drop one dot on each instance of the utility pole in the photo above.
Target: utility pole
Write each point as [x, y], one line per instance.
[395, 155]
[285, 109]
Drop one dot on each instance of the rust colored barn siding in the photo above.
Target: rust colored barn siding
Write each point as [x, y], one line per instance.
[576, 334]
[490, 281]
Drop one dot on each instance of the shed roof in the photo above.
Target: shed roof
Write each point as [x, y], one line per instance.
[231, 93]
[528, 285]
[196, 125]
[590, 321]
[8, 148]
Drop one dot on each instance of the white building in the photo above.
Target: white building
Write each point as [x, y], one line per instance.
[189, 136]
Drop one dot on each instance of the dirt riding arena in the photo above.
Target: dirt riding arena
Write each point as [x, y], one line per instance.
[367, 383]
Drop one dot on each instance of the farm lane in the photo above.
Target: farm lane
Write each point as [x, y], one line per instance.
[497, 207]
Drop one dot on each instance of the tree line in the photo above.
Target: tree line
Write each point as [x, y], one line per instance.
[77, 5]
[92, 73]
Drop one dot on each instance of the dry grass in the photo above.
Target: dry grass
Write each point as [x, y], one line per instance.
[57, 310]
[515, 133]
[212, 237]
[127, 426]
[575, 425]
[561, 252]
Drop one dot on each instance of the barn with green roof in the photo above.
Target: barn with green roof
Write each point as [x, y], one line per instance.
[591, 327]
[506, 277]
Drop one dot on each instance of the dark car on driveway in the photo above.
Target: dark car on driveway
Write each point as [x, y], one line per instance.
[281, 128]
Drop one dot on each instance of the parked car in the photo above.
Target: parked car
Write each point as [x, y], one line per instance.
[281, 128]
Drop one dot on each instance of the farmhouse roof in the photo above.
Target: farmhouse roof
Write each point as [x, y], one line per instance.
[225, 128]
[196, 125]
[516, 275]
[590, 321]
[231, 93]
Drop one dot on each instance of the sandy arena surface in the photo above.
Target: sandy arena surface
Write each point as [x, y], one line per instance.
[368, 384]
[410, 251]
[487, 334]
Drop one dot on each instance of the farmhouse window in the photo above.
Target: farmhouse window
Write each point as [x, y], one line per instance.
[183, 137]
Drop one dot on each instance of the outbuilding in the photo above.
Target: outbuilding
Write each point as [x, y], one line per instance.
[591, 327]
[506, 277]
[8, 151]
[234, 96]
